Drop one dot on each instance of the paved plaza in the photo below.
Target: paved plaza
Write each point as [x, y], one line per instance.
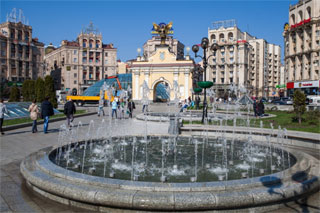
[15, 145]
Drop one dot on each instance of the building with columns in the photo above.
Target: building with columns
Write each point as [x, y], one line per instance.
[162, 64]
[302, 43]
[82, 62]
[243, 60]
[174, 45]
[21, 56]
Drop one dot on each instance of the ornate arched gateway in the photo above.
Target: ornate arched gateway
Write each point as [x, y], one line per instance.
[162, 66]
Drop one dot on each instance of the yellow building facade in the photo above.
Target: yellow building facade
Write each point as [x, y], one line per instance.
[161, 67]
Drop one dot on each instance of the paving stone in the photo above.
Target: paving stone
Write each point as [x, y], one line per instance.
[19, 143]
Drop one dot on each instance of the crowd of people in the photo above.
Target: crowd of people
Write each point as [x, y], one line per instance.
[258, 108]
[119, 107]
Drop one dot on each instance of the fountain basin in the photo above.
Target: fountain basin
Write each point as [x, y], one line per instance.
[99, 193]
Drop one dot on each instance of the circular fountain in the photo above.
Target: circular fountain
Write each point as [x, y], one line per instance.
[170, 173]
[225, 170]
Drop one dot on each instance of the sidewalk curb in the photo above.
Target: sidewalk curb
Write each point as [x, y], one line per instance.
[18, 126]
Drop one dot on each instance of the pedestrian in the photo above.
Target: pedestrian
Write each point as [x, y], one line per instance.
[122, 106]
[100, 107]
[255, 108]
[131, 107]
[114, 107]
[184, 106]
[189, 101]
[34, 112]
[69, 111]
[197, 102]
[46, 112]
[3, 109]
[145, 105]
[260, 108]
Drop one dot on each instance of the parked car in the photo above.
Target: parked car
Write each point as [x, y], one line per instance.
[282, 101]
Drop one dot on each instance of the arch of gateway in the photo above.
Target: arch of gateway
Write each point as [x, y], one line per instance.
[162, 66]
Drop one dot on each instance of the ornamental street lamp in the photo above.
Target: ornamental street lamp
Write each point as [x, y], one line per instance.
[205, 84]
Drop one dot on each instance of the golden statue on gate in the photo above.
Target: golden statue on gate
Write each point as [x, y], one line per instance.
[162, 30]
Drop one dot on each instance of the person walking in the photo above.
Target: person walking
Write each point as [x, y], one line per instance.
[34, 111]
[131, 107]
[260, 108]
[197, 102]
[255, 108]
[3, 109]
[46, 112]
[145, 105]
[122, 106]
[114, 107]
[69, 111]
[100, 107]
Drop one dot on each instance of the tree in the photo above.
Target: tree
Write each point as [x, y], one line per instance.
[25, 90]
[32, 90]
[14, 94]
[299, 104]
[49, 90]
[39, 90]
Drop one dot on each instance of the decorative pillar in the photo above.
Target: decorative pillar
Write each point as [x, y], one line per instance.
[186, 83]
[136, 91]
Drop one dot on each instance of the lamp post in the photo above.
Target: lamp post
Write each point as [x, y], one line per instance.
[204, 84]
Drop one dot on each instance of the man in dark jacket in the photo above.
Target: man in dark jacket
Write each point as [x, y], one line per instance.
[46, 112]
[260, 108]
[69, 110]
[131, 106]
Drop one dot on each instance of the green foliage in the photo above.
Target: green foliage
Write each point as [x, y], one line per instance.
[49, 90]
[14, 94]
[39, 90]
[4, 90]
[299, 104]
[28, 90]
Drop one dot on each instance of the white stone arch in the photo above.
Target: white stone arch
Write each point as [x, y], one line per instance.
[156, 82]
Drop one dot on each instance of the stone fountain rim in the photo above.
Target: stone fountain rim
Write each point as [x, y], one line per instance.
[48, 166]
[43, 176]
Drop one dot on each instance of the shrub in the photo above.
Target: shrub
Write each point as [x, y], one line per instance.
[299, 104]
[14, 94]
[39, 90]
[49, 90]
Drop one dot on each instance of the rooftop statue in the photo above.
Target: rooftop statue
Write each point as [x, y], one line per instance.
[163, 31]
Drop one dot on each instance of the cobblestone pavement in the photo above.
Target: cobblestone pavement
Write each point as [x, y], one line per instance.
[15, 145]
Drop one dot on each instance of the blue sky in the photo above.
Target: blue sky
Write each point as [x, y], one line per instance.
[127, 24]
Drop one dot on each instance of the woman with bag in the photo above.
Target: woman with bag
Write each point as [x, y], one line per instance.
[34, 111]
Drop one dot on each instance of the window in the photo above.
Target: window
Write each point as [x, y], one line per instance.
[74, 52]
[222, 80]
[231, 80]
[106, 62]
[84, 60]
[75, 60]
[106, 54]
[74, 67]
[90, 75]
[84, 53]
[106, 69]
[214, 80]
[74, 82]
[222, 53]
[75, 75]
